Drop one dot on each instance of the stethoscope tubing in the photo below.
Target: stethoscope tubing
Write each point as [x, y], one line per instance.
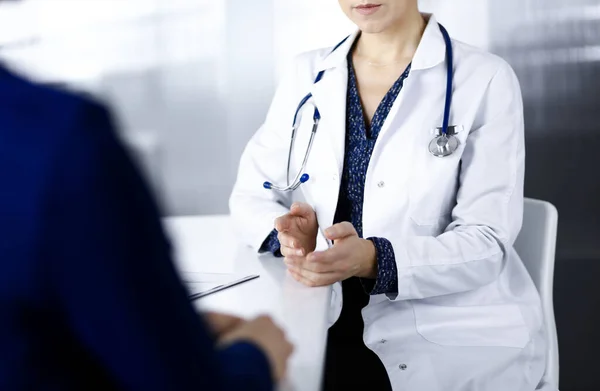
[441, 146]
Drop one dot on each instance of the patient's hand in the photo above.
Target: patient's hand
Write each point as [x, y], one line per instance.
[221, 324]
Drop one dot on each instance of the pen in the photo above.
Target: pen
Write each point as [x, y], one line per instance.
[222, 287]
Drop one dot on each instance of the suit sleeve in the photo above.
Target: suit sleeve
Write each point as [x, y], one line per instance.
[113, 279]
[488, 213]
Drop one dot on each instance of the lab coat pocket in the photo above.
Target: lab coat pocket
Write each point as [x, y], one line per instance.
[492, 325]
[432, 190]
[430, 211]
[430, 225]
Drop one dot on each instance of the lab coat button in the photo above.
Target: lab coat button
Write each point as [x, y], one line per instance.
[383, 341]
[335, 177]
[381, 184]
[402, 367]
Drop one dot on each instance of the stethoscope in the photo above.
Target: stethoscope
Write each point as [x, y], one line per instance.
[444, 142]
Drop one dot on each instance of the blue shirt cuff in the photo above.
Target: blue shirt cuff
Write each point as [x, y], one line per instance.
[387, 271]
[271, 244]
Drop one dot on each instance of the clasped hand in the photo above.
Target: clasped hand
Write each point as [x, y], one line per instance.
[350, 255]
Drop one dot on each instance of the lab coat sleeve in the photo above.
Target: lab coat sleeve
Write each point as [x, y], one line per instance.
[488, 213]
[253, 208]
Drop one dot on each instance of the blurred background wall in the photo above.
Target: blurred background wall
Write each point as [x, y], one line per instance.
[554, 47]
[191, 80]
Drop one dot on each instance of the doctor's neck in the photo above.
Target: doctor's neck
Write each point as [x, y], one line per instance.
[397, 42]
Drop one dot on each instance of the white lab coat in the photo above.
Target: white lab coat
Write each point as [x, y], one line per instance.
[467, 315]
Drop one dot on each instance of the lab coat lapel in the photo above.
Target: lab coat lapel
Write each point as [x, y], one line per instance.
[430, 53]
[330, 97]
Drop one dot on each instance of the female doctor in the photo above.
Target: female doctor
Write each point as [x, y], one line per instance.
[415, 176]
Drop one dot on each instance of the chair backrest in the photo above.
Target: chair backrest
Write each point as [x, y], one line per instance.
[536, 245]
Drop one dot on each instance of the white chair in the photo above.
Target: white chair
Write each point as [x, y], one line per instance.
[536, 246]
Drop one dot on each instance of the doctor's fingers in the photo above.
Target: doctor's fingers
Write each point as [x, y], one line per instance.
[335, 257]
[291, 252]
[308, 263]
[289, 241]
[284, 223]
[312, 279]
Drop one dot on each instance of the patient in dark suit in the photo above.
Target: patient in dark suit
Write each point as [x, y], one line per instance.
[89, 297]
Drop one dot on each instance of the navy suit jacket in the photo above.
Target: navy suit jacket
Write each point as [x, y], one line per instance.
[89, 297]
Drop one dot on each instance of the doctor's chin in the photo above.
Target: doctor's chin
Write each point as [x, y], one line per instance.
[298, 195]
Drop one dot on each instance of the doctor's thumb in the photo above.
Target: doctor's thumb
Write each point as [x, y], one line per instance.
[340, 231]
[282, 224]
[301, 209]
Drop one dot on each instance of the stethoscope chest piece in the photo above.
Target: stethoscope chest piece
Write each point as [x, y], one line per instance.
[444, 145]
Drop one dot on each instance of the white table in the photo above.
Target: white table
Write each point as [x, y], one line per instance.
[207, 244]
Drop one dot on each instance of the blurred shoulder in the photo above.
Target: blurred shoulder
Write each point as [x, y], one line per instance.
[33, 109]
[47, 131]
[39, 116]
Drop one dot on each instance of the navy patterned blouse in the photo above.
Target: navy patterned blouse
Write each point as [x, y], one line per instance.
[360, 142]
